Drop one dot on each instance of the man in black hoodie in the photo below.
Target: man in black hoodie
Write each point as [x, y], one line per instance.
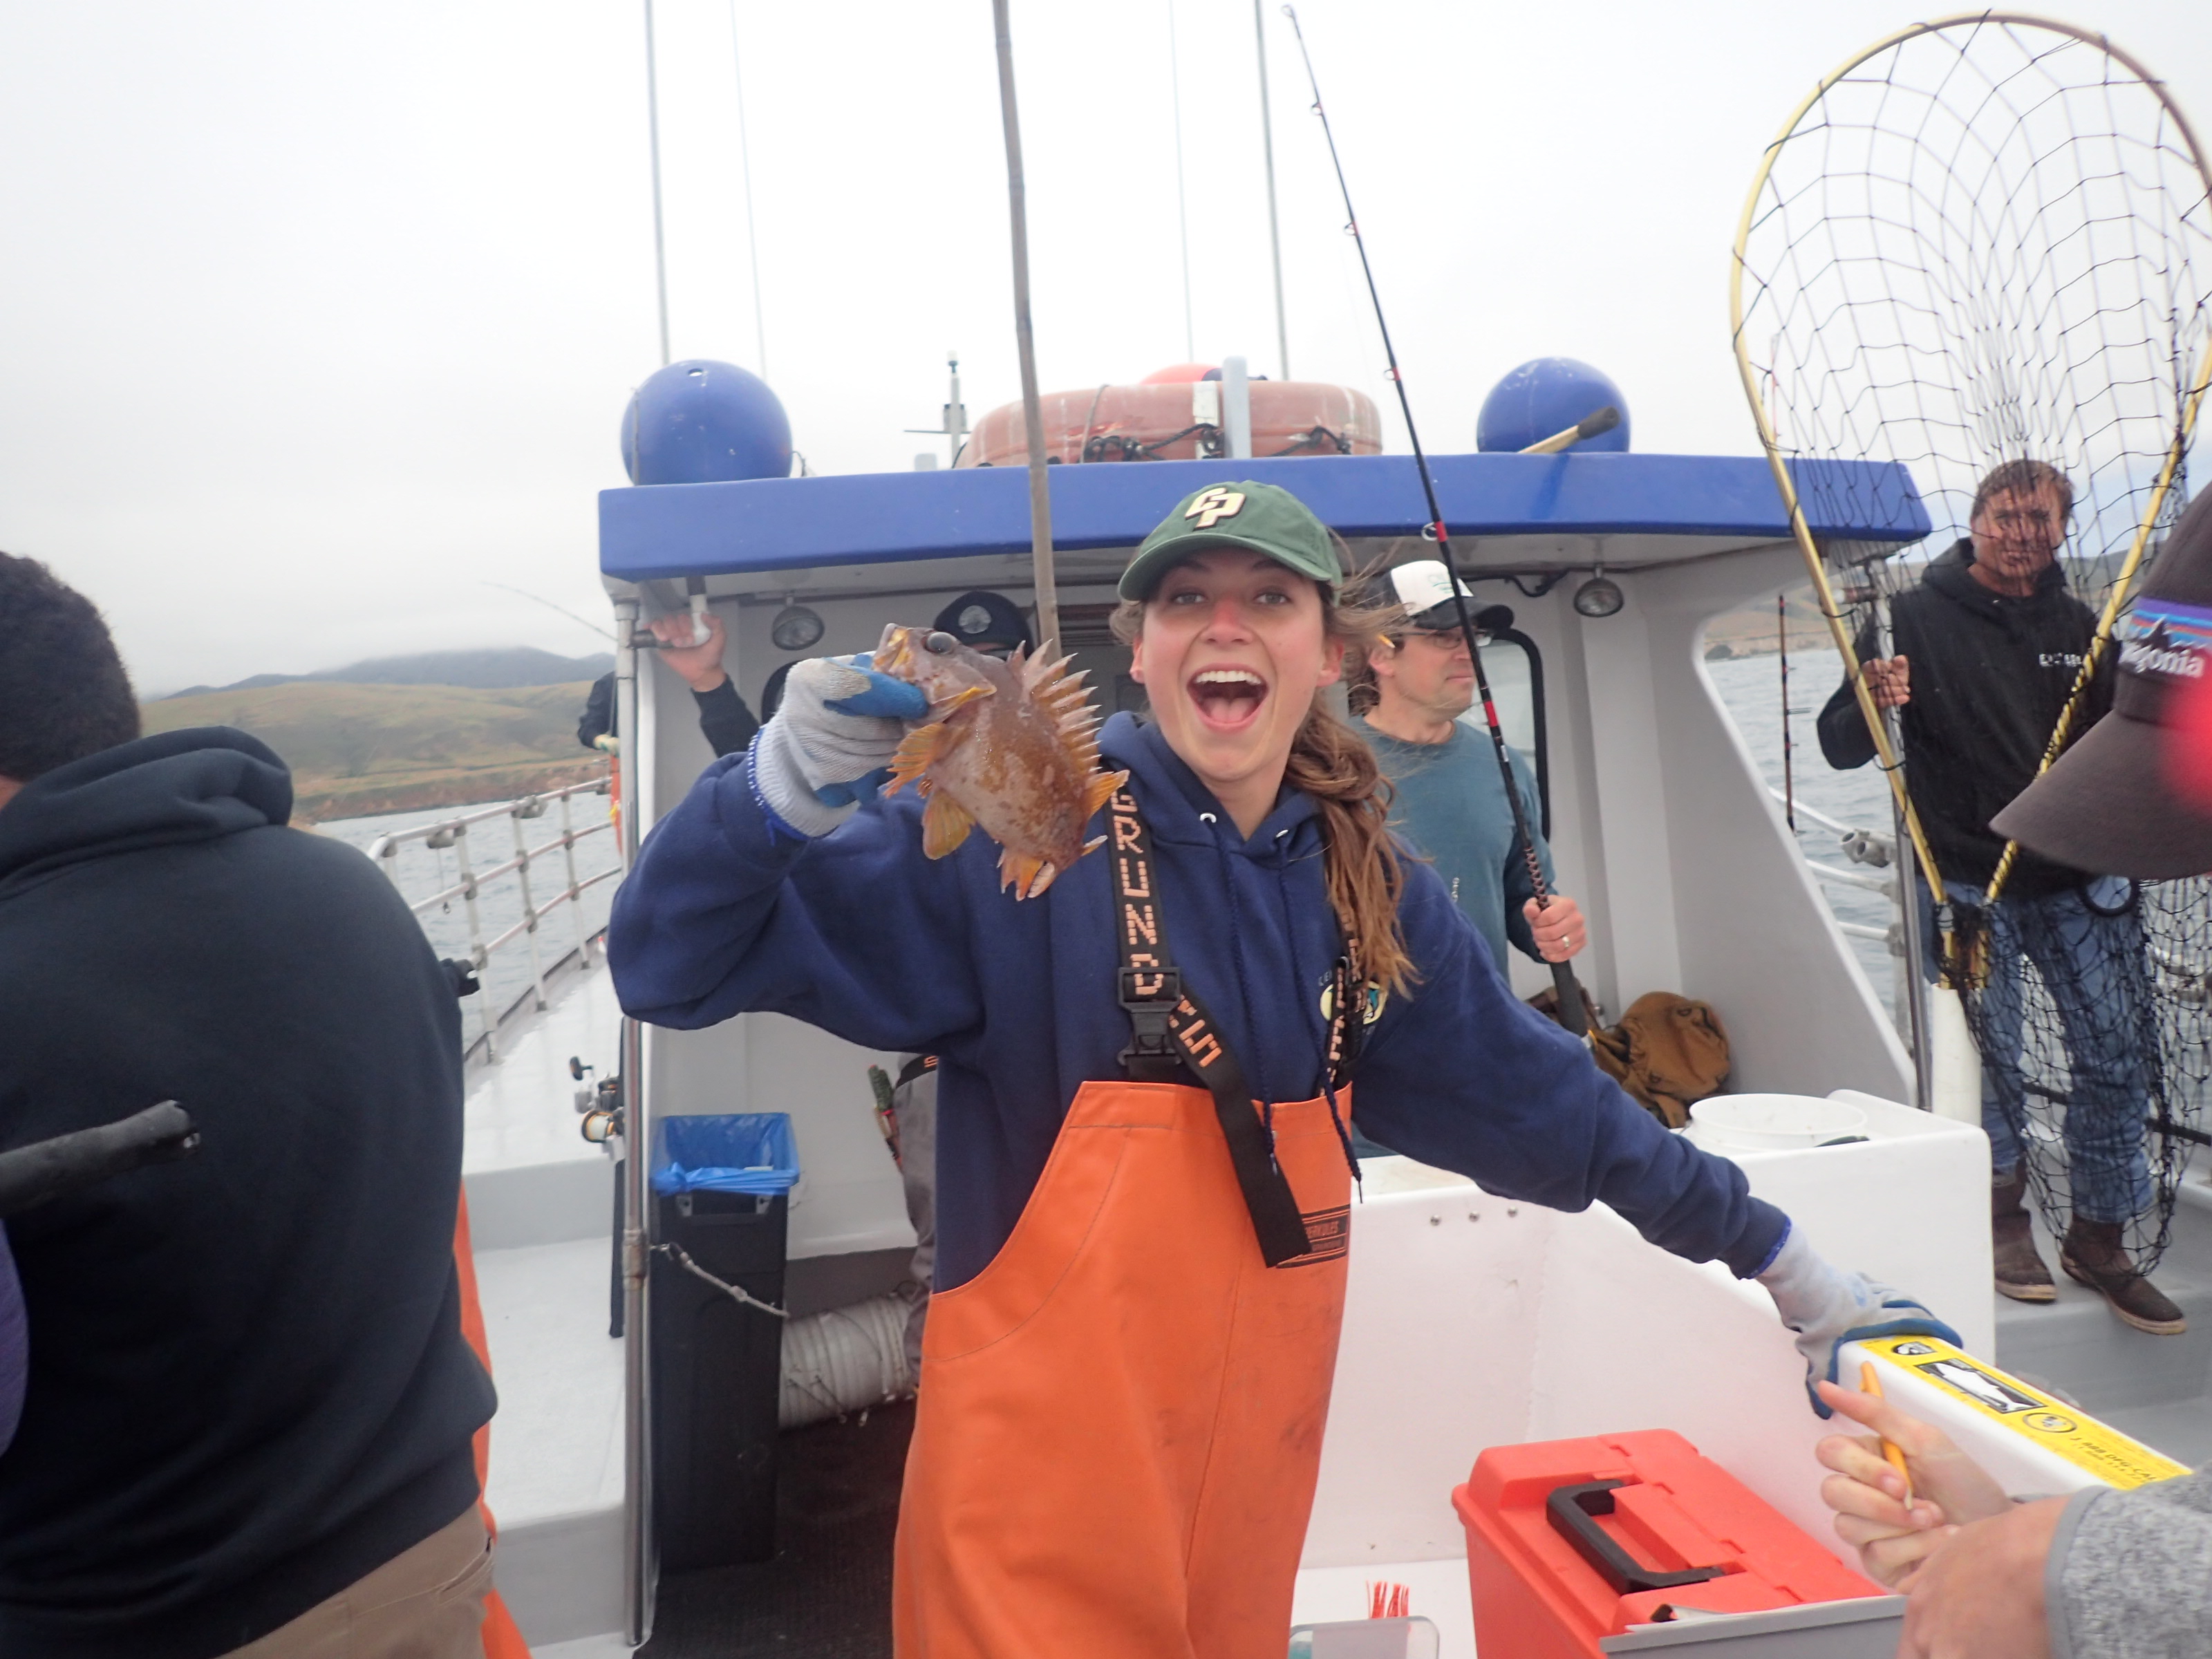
[1988, 649]
[250, 1403]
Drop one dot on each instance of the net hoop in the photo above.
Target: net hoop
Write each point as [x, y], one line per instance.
[1800, 531]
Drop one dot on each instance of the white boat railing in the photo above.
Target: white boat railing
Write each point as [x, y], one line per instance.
[1861, 846]
[453, 833]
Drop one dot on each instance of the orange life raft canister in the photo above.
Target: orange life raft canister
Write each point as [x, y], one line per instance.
[1179, 419]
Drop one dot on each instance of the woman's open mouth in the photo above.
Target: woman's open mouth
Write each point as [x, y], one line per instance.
[1227, 699]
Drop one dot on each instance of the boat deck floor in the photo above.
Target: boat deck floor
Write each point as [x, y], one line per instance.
[2157, 1388]
[827, 1595]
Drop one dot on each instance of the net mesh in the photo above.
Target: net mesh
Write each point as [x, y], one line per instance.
[1989, 241]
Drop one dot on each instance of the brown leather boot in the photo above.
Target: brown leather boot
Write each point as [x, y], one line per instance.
[2092, 1255]
[2020, 1272]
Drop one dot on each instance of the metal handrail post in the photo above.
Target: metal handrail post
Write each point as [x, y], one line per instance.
[479, 958]
[575, 893]
[515, 818]
[638, 1550]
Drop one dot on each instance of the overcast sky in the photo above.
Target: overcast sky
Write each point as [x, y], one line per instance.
[316, 319]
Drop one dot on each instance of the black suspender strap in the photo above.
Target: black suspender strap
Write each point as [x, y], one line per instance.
[1169, 1029]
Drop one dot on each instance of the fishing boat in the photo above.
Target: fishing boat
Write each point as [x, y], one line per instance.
[1472, 1321]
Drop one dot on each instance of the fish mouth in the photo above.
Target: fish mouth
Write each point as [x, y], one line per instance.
[1229, 697]
[895, 652]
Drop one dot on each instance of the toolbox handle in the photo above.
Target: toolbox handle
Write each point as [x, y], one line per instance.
[1573, 1511]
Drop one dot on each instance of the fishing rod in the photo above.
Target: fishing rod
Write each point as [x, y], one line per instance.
[1564, 982]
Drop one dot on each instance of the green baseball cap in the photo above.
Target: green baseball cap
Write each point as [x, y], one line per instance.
[1264, 519]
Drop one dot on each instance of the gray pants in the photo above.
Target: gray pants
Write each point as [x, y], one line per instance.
[914, 1104]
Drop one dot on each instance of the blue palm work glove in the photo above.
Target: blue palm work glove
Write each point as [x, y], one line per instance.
[830, 746]
[1828, 1308]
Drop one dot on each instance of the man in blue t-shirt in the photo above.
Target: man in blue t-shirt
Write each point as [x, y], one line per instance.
[1450, 801]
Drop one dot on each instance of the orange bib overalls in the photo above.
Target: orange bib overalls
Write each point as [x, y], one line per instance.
[1120, 1420]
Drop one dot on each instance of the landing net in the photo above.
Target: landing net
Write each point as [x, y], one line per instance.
[1985, 241]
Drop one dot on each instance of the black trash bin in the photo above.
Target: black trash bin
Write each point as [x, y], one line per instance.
[720, 1187]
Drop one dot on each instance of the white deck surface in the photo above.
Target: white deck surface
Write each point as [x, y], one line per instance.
[538, 1209]
[556, 1445]
[521, 1107]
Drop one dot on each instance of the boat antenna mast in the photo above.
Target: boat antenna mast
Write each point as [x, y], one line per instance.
[1569, 989]
[953, 426]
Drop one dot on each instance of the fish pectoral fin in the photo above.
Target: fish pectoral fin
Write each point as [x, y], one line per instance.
[915, 752]
[945, 707]
[945, 825]
[1097, 792]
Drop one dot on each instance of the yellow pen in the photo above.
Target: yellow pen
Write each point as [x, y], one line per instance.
[1870, 1383]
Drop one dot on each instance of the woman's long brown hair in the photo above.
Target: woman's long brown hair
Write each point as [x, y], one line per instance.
[1328, 762]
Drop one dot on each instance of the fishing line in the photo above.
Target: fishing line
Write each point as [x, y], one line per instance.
[745, 170]
[1570, 1010]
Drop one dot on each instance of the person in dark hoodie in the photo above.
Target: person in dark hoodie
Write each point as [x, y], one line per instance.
[1146, 1077]
[1988, 649]
[249, 1402]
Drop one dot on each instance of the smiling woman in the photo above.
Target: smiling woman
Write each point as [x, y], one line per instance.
[1232, 644]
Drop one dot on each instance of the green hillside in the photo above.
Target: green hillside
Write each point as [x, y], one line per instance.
[356, 750]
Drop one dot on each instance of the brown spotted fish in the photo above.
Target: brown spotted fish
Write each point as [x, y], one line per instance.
[1009, 745]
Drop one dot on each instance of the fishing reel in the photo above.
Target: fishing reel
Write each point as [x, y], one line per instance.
[599, 1105]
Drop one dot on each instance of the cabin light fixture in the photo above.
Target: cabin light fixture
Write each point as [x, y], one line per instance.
[1600, 596]
[795, 628]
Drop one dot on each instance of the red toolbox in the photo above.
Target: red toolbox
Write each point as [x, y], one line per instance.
[1570, 1541]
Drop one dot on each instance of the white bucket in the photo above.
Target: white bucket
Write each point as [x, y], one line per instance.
[1773, 1123]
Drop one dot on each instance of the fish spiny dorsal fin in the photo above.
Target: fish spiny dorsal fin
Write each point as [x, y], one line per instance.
[1094, 795]
[1078, 745]
[1047, 873]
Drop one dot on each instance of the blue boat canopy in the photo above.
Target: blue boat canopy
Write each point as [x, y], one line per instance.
[1524, 512]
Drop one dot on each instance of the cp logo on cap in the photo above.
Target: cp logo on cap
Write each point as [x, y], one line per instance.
[1215, 503]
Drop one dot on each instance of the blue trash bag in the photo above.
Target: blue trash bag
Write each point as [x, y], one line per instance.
[734, 1152]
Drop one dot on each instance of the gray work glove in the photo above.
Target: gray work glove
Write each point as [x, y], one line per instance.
[831, 744]
[1828, 1308]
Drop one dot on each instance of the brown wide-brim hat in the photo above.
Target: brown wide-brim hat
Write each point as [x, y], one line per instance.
[2109, 806]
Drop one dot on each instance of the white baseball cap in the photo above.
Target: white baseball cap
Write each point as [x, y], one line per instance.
[1422, 586]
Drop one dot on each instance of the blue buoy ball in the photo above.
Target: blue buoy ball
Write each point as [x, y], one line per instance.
[702, 422]
[1547, 395]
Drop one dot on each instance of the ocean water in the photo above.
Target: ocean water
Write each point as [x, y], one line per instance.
[1751, 690]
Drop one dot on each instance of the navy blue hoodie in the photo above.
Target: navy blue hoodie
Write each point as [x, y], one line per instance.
[861, 935]
[248, 1385]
